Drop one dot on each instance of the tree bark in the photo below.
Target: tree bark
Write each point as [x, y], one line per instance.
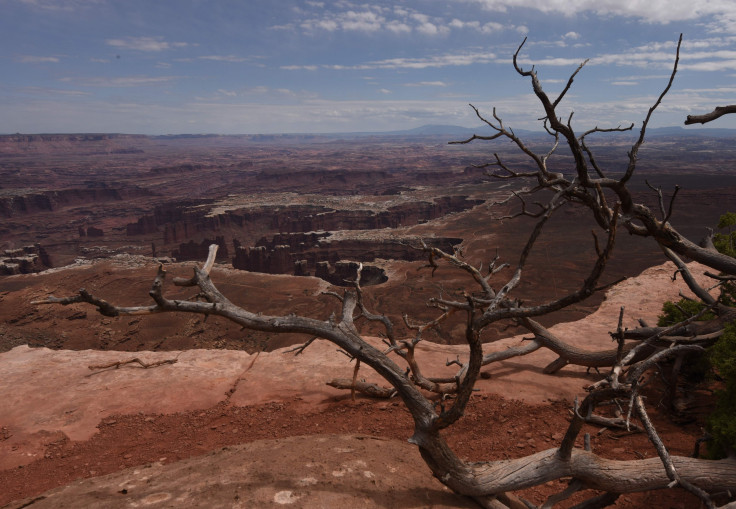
[718, 112]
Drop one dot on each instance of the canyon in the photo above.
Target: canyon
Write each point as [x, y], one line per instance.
[320, 205]
[294, 217]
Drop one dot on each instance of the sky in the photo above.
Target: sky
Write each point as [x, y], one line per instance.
[305, 66]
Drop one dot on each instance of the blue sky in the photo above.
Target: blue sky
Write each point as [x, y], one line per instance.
[270, 66]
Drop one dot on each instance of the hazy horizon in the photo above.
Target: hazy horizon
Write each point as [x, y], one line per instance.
[451, 129]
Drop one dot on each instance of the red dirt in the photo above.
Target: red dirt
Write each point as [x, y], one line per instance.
[493, 428]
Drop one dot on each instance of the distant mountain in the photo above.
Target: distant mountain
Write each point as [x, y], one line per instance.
[453, 130]
[708, 132]
[430, 130]
[437, 129]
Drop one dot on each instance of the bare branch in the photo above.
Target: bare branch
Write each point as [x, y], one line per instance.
[666, 459]
[672, 204]
[718, 112]
[299, 349]
[698, 290]
[572, 488]
[569, 83]
[363, 387]
[633, 153]
[136, 360]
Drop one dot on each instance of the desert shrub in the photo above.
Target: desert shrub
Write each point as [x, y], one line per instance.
[722, 422]
[698, 368]
[726, 242]
[673, 313]
[719, 362]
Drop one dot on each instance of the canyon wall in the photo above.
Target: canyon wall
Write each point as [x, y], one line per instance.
[25, 260]
[182, 220]
[19, 204]
[334, 260]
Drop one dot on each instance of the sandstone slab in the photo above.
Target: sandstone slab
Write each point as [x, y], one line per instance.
[308, 472]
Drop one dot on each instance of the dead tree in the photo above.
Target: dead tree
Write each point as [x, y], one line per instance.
[492, 483]
[718, 112]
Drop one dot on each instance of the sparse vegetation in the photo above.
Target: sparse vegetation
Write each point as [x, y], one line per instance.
[722, 422]
[720, 361]
[726, 242]
[676, 312]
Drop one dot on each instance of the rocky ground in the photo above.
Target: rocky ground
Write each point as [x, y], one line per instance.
[223, 428]
[213, 416]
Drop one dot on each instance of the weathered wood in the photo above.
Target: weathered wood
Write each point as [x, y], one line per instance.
[718, 112]
[363, 387]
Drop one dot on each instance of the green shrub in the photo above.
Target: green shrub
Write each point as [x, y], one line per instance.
[720, 359]
[722, 422]
[675, 313]
[726, 242]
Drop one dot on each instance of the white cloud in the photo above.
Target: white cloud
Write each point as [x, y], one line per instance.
[650, 11]
[398, 27]
[526, 62]
[318, 115]
[371, 19]
[431, 29]
[437, 61]
[662, 56]
[260, 93]
[326, 24]
[426, 84]
[29, 59]
[299, 67]
[125, 81]
[364, 21]
[457, 59]
[696, 55]
[144, 43]
[215, 116]
[224, 58]
[53, 91]
[713, 65]
[60, 5]
[731, 91]
[486, 28]
[492, 27]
